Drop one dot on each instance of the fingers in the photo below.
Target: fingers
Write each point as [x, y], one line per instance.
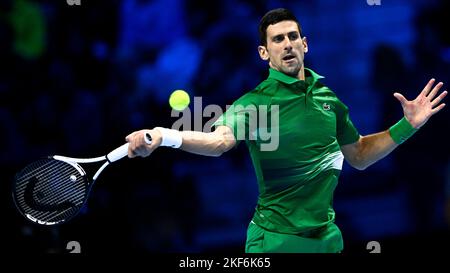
[436, 101]
[438, 98]
[131, 145]
[435, 90]
[427, 88]
[130, 136]
[400, 98]
[137, 145]
[437, 109]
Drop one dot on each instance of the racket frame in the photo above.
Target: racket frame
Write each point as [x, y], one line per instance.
[113, 156]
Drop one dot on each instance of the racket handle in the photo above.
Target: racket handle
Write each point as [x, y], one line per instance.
[122, 151]
[118, 153]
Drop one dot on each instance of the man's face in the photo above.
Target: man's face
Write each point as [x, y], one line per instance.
[285, 48]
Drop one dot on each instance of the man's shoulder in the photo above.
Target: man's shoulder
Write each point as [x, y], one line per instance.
[262, 91]
[321, 89]
[267, 87]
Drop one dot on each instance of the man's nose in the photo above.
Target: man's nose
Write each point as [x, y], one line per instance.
[288, 44]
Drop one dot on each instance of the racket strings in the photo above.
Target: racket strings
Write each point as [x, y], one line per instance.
[50, 190]
[48, 166]
[54, 183]
[54, 216]
[57, 187]
[52, 174]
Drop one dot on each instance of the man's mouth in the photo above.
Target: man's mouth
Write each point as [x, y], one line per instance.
[289, 57]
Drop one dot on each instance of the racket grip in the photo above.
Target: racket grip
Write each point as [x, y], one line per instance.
[118, 153]
[122, 151]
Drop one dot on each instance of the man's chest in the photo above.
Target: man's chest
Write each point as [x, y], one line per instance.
[305, 119]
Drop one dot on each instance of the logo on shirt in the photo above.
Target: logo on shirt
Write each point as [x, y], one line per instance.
[326, 106]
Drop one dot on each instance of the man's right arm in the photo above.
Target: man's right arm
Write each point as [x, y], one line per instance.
[208, 144]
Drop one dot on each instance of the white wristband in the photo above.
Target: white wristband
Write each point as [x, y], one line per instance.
[170, 138]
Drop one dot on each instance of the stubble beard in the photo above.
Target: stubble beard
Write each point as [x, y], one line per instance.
[291, 71]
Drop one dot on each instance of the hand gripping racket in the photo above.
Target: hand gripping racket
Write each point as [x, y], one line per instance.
[53, 190]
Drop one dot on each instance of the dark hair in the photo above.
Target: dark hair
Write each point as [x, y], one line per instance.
[272, 17]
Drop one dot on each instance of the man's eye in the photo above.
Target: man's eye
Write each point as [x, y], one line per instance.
[293, 36]
[278, 39]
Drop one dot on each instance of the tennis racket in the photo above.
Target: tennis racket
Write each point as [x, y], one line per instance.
[53, 190]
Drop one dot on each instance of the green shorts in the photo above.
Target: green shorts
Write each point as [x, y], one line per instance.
[327, 240]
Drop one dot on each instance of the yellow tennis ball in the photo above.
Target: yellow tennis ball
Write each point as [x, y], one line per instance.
[179, 100]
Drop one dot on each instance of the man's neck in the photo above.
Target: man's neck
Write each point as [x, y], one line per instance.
[301, 73]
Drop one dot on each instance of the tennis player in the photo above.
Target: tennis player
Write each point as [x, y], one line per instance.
[294, 212]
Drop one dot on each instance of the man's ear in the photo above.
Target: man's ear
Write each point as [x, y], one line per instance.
[263, 53]
[305, 44]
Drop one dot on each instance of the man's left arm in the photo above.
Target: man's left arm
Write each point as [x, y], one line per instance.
[371, 148]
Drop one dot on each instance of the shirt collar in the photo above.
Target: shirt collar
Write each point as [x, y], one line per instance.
[311, 77]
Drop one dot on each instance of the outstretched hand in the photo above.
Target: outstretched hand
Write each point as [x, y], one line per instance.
[137, 145]
[419, 110]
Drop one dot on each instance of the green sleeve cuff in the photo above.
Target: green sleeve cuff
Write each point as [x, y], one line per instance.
[401, 131]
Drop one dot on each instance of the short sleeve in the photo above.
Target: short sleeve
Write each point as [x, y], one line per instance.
[346, 132]
[240, 117]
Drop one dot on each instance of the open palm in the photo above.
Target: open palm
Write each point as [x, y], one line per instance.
[419, 110]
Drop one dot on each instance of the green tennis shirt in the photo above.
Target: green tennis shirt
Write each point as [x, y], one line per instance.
[293, 130]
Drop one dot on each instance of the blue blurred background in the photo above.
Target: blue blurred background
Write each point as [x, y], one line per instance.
[75, 80]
